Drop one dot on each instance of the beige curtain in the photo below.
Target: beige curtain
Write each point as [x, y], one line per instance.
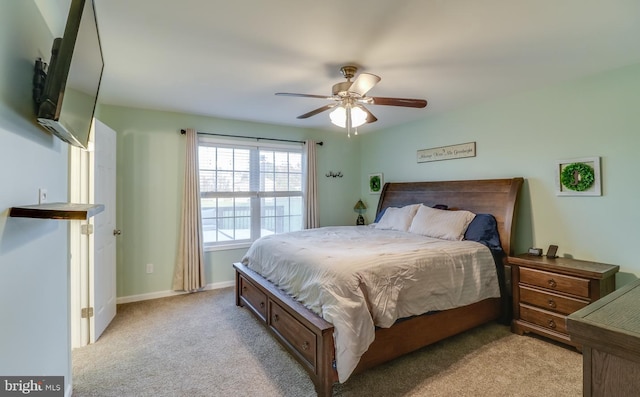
[311, 219]
[189, 272]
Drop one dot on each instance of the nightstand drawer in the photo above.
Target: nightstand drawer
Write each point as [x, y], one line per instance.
[543, 318]
[551, 301]
[556, 282]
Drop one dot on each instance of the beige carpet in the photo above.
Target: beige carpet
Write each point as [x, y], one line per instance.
[203, 345]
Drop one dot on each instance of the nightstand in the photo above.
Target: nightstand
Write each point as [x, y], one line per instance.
[546, 290]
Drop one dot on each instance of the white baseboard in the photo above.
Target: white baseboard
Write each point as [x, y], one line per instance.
[164, 294]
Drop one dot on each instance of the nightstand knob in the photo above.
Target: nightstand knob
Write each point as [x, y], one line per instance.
[551, 323]
[305, 345]
[552, 283]
[552, 303]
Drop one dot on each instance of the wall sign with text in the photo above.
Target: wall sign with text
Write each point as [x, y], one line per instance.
[447, 152]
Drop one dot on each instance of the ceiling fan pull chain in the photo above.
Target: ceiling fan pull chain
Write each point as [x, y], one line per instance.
[348, 114]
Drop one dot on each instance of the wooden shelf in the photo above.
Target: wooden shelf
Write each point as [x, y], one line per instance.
[57, 211]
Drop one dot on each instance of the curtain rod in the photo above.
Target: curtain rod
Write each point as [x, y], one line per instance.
[183, 132]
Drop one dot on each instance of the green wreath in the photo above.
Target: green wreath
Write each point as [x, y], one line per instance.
[577, 176]
[374, 183]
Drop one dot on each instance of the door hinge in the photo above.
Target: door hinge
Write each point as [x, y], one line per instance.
[86, 312]
[86, 229]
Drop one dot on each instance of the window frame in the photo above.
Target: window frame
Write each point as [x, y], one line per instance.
[255, 195]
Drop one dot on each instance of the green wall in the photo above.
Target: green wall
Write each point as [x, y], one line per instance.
[34, 255]
[522, 135]
[149, 190]
[525, 135]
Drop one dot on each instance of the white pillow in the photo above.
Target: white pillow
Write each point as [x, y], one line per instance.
[447, 225]
[398, 218]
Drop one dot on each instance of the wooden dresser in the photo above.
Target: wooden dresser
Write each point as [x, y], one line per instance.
[546, 290]
[609, 332]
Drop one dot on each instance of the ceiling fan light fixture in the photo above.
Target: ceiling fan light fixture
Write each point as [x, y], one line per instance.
[339, 116]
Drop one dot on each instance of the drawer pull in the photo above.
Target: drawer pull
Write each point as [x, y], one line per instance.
[552, 283]
[244, 289]
[551, 323]
[305, 345]
[261, 305]
[276, 318]
[552, 303]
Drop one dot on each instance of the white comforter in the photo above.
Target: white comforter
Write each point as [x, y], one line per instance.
[360, 277]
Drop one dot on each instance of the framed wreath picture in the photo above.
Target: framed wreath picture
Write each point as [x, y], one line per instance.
[375, 183]
[578, 177]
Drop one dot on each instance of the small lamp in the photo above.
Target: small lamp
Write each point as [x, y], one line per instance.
[360, 208]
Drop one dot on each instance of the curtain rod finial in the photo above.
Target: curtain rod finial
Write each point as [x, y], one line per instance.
[183, 131]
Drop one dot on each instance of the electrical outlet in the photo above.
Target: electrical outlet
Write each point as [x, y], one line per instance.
[149, 267]
[42, 196]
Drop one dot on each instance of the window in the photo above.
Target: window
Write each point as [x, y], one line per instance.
[249, 191]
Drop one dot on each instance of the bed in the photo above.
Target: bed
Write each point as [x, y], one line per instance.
[310, 338]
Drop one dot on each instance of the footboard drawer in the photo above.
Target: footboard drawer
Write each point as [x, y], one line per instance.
[294, 334]
[253, 297]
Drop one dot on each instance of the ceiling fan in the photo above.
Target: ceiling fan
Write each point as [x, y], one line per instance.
[349, 97]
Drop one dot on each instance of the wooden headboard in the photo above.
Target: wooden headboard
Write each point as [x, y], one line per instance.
[498, 197]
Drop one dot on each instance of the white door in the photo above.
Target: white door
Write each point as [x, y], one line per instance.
[102, 294]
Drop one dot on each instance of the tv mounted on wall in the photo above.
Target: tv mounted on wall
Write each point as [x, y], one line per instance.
[66, 92]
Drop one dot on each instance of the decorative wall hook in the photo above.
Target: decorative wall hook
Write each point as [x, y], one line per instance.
[332, 174]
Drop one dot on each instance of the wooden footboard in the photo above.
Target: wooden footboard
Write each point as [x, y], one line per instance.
[309, 338]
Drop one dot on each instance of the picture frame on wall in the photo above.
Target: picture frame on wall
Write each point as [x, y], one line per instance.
[578, 177]
[375, 183]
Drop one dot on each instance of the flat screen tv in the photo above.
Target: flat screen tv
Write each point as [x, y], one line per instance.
[66, 92]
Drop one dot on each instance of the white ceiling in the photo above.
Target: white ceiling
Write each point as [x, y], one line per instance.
[228, 58]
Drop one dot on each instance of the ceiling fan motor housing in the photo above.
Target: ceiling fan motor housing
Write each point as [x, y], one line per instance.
[341, 89]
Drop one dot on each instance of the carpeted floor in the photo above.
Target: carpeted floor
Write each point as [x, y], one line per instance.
[203, 345]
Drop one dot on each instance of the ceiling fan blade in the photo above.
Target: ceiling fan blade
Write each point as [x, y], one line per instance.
[363, 83]
[370, 117]
[406, 102]
[316, 111]
[303, 95]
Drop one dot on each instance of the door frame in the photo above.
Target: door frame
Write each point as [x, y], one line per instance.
[82, 241]
[80, 244]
